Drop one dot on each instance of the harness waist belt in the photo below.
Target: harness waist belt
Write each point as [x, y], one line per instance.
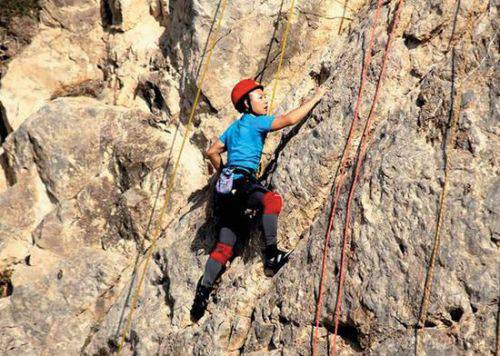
[243, 170]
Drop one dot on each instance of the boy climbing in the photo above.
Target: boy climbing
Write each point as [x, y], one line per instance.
[237, 186]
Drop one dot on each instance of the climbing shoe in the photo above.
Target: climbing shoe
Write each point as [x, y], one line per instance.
[274, 259]
[200, 301]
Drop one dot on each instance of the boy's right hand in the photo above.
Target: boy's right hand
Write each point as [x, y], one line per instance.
[294, 116]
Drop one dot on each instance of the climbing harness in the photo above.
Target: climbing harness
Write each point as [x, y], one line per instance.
[225, 182]
[170, 186]
[342, 170]
[362, 147]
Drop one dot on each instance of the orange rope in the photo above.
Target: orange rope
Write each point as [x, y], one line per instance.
[342, 169]
[361, 155]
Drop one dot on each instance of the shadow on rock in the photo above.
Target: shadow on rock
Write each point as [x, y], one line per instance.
[248, 231]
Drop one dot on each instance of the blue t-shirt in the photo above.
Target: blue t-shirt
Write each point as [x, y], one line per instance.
[244, 140]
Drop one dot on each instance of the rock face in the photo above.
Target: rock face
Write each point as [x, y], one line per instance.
[101, 209]
[79, 199]
[63, 55]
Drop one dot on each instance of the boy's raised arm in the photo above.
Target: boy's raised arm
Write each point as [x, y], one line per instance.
[294, 116]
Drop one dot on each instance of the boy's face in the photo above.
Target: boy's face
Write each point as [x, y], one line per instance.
[259, 102]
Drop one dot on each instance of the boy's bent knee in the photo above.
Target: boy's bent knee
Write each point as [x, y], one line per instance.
[222, 253]
[272, 203]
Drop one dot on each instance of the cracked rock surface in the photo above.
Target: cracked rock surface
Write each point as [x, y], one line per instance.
[93, 111]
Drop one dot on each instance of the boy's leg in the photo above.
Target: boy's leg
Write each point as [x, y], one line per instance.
[269, 218]
[222, 252]
[271, 204]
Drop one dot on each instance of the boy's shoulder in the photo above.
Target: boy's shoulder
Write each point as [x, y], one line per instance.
[255, 119]
[235, 122]
[230, 127]
[249, 120]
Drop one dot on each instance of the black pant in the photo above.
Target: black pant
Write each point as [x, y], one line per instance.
[248, 194]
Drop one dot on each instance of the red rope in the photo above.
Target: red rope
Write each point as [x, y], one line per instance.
[361, 155]
[342, 169]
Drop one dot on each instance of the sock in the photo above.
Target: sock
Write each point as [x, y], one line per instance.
[270, 227]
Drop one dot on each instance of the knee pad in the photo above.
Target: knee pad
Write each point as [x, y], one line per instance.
[222, 253]
[272, 203]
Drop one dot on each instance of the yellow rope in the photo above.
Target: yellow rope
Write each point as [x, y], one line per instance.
[278, 72]
[442, 210]
[457, 101]
[169, 189]
[283, 46]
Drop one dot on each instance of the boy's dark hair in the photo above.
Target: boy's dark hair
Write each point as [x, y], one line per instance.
[241, 107]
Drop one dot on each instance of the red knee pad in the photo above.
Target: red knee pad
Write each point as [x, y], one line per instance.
[222, 253]
[272, 203]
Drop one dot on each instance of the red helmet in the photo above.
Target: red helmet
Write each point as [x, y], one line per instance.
[244, 87]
